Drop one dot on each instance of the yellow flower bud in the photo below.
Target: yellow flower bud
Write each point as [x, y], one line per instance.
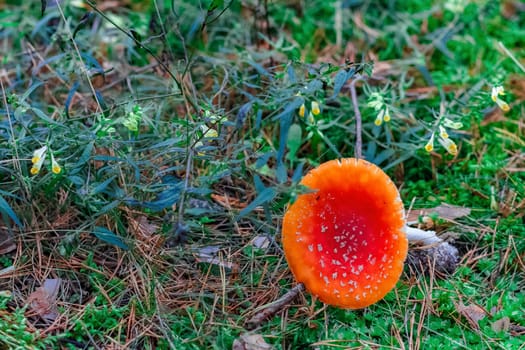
[503, 105]
[38, 158]
[55, 167]
[497, 91]
[315, 108]
[379, 118]
[443, 132]
[302, 110]
[449, 145]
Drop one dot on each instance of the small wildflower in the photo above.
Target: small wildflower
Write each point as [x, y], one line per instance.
[198, 145]
[376, 101]
[387, 117]
[429, 147]
[302, 110]
[496, 92]
[456, 6]
[315, 108]
[451, 124]
[209, 132]
[379, 118]
[39, 156]
[503, 105]
[449, 145]
[443, 132]
[55, 167]
[311, 118]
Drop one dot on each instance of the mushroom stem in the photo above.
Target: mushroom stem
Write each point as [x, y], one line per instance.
[436, 254]
[419, 235]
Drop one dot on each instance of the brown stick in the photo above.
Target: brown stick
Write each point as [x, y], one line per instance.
[358, 122]
[271, 309]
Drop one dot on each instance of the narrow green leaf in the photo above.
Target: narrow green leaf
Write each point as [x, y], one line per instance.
[340, 80]
[102, 186]
[107, 236]
[84, 157]
[82, 23]
[6, 209]
[43, 116]
[290, 108]
[215, 4]
[30, 90]
[264, 197]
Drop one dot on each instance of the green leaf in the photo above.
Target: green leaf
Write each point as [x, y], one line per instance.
[340, 80]
[215, 4]
[102, 186]
[43, 116]
[5, 208]
[82, 23]
[290, 108]
[84, 157]
[107, 236]
[30, 90]
[264, 197]
[294, 140]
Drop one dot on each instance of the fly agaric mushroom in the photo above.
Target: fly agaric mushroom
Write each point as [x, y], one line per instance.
[346, 241]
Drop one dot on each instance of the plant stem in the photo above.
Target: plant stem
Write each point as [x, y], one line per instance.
[358, 120]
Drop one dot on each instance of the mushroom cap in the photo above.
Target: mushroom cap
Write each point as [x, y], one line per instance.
[346, 241]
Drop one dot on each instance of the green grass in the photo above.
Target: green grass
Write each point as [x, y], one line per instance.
[179, 137]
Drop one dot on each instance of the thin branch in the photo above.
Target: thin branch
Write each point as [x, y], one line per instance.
[150, 52]
[16, 160]
[83, 66]
[189, 160]
[271, 309]
[358, 119]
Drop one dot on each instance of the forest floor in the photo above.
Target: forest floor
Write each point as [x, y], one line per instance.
[149, 150]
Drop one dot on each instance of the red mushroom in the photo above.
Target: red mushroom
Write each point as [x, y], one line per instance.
[346, 240]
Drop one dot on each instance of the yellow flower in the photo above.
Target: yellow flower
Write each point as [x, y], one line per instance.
[496, 92]
[443, 132]
[55, 167]
[302, 110]
[503, 105]
[315, 108]
[39, 156]
[429, 147]
[387, 117]
[449, 145]
[451, 124]
[209, 132]
[199, 144]
[379, 118]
